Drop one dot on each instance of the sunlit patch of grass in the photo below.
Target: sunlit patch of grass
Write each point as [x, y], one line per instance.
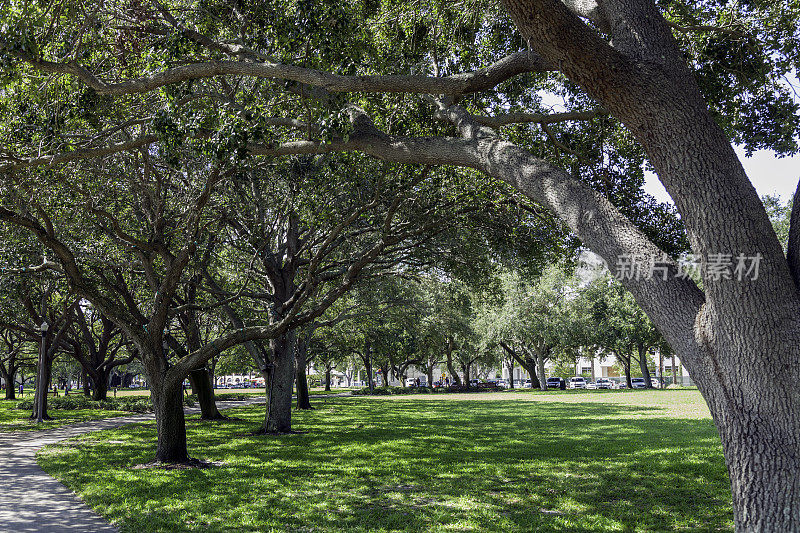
[649, 461]
[12, 419]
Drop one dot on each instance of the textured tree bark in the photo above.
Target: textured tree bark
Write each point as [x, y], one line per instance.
[43, 373]
[367, 358]
[85, 383]
[626, 367]
[170, 423]
[542, 374]
[303, 401]
[643, 367]
[100, 382]
[735, 329]
[10, 386]
[762, 469]
[166, 392]
[279, 419]
[200, 380]
[327, 379]
[527, 362]
[454, 377]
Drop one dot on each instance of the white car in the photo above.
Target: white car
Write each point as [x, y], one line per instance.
[638, 383]
[604, 383]
[411, 382]
[591, 385]
[526, 384]
[578, 382]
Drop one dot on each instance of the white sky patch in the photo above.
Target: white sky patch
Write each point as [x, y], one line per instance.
[768, 173]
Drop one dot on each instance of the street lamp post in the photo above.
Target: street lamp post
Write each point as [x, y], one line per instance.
[41, 386]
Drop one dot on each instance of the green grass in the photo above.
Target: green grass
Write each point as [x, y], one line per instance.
[12, 420]
[618, 461]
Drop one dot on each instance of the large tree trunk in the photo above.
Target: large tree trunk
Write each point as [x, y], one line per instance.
[385, 375]
[542, 374]
[85, 382]
[10, 388]
[368, 365]
[643, 367]
[761, 456]
[733, 329]
[100, 382]
[626, 365]
[674, 372]
[43, 373]
[303, 400]
[170, 423]
[281, 379]
[454, 378]
[200, 380]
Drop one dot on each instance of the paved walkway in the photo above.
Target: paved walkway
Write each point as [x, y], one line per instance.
[32, 501]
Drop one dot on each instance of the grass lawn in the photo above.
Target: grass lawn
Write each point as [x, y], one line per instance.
[12, 419]
[598, 461]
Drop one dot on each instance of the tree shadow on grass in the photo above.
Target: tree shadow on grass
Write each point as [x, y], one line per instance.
[421, 466]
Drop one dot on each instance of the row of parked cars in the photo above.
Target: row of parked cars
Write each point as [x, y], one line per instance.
[243, 385]
[579, 382]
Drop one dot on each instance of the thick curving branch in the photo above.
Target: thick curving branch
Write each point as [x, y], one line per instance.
[79, 155]
[479, 80]
[506, 119]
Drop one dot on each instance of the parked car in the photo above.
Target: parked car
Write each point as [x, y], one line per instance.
[638, 383]
[656, 383]
[502, 383]
[578, 382]
[411, 382]
[621, 385]
[591, 385]
[604, 383]
[556, 383]
[526, 384]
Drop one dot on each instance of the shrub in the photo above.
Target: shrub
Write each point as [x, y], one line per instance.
[133, 404]
[231, 397]
[387, 391]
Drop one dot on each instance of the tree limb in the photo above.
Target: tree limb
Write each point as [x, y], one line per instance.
[479, 80]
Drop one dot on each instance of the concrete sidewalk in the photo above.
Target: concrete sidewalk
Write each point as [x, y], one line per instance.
[32, 501]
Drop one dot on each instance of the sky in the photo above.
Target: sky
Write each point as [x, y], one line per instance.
[769, 175]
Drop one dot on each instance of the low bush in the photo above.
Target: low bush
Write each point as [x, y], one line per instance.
[131, 404]
[232, 397]
[388, 391]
